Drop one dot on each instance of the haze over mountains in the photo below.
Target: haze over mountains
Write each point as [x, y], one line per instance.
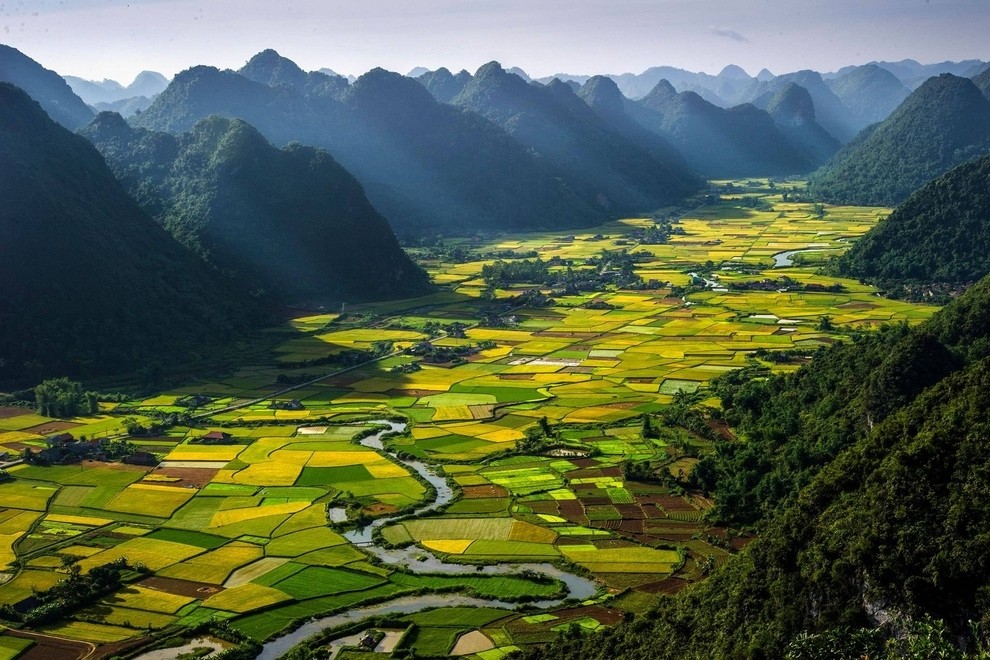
[291, 222]
[147, 84]
[423, 163]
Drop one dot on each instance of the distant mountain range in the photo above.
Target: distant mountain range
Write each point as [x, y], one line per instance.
[423, 163]
[714, 141]
[147, 84]
[601, 164]
[89, 283]
[846, 101]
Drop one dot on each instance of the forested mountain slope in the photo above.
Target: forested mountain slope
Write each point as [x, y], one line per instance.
[44, 86]
[943, 123]
[719, 142]
[940, 234]
[291, 222]
[88, 282]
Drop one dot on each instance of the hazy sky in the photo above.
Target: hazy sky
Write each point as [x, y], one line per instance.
[119, 38]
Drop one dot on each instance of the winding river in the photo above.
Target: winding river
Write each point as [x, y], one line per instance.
[417, 560]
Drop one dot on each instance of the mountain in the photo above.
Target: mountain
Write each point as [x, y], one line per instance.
[425, 165]
[461, 170]
[595, 161]
[125, 107]
[147, 83]
[516, 71]
[44, 86]
[793, 111]
[292, 221]
[724, 89]
[89, 284]
[281, 112]
[443, 85]
[830, 111]
[982, 81]
[870, 92]
[272, 70]
[944, 122]
[94, 92]
[719, 142]
[940, 234]
[913, 74]
[866, 473]
[602, 95]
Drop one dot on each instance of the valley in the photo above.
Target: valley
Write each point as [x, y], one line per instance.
[539, 417]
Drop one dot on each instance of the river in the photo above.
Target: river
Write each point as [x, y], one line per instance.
[783, 259]
[417, 560]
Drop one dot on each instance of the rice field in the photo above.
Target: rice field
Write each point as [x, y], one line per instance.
[240, 528]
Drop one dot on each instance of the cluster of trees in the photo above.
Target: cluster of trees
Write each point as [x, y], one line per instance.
[657, 234]
[346, 358]
[433, 354]
[502, 273]
[70, 594]
[62, 397]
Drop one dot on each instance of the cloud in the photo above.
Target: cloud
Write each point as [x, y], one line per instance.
[727, 34]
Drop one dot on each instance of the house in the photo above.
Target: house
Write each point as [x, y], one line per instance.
[59, 439]
[142, 458]
[85, 449]
[215, 438]
[295, 404]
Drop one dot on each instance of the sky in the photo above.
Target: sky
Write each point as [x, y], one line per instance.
[117, 39]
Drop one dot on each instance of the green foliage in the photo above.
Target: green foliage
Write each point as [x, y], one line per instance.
[61, 397]
[72, 593]
[940, 234]
[88, 282]
[502, 273]
[290, 221]
[943, 123]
